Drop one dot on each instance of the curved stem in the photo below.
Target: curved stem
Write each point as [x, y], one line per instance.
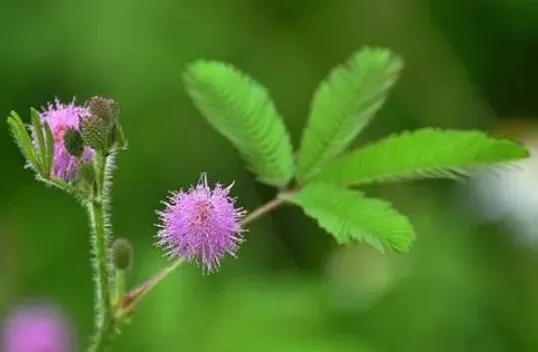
[264, 209]
[135, 296]
[99, 242]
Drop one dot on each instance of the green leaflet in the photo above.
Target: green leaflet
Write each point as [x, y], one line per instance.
[343, 105]
[241, 110]
[348, 216]
[23, 141]
[425, 153]
[49, 140]
[40, 146]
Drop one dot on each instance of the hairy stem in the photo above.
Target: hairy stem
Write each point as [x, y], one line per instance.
[98, 218]
[66, 187]
[136, 295]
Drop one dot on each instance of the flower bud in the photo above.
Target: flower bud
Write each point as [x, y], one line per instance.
[95, 132]
[122, 252]
[73, 142]
[106, 109]
[100, 130]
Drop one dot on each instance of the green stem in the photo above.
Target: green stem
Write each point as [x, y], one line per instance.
[104, 315]
[99, 243]
[264, 209]
[103, 335]
[133, 297]
[66, 187]
[119, 286]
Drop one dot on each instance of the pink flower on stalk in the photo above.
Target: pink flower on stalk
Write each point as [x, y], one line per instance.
[201, 225]
[36, 328]
[61, 117]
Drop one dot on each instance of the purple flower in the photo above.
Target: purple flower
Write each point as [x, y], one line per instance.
[201, 225]
[36, 328]
[60, 117]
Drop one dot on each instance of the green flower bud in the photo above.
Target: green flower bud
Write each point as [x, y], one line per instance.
[122, 253]
[106, 109]
[100, 129]
[95, 132]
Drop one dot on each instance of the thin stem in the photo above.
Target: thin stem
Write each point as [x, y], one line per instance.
[104, 314]
[135, 295]
[119, 286]
[264, 209]
[64, 186]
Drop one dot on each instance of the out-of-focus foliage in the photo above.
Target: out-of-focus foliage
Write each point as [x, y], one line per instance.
[465, 286]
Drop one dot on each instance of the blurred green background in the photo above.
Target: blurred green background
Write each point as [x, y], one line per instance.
[465, 286]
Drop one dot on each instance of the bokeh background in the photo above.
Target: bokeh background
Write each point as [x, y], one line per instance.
[470, 282]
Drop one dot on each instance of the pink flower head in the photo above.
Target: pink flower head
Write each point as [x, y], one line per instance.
[36, 328]
[201, 225]
[60, 117]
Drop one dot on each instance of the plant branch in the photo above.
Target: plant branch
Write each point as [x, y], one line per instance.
[134, 296]
[264, 209]
[96, 208]
[64, 186]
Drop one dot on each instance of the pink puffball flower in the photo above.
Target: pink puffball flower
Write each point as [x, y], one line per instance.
[61, 117]
[36, 328]
[201, 225]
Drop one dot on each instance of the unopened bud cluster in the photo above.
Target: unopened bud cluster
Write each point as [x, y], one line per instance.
[99, 129]
[78, 132]
[64, 138]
